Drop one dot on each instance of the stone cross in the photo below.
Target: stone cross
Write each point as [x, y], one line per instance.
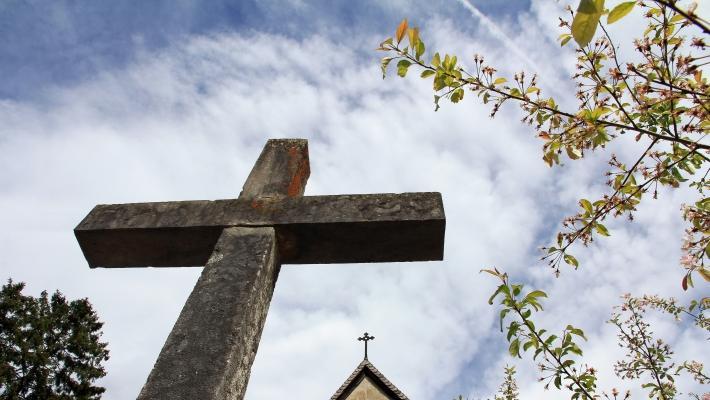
[242, 244]
[366, 338]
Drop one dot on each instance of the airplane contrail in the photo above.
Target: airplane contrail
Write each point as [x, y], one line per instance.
[554, 82]
[498, 33]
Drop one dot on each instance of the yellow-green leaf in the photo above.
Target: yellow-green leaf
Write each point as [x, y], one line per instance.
[532, 89]
[585, 21]
[676, 18]
[601, 229]
[413, 34]
[536, 293]
[498, 81]
[514, 348]
[569, 259]
[591, 6]
[402, 67]
[385, 62]
[427, 73]
[587, 205]
[620, 11]
[436, 60]
[457, 95]
[385, 42]
[573, 153]
[420, 49]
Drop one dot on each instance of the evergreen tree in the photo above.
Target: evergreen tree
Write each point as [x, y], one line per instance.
[49, 348]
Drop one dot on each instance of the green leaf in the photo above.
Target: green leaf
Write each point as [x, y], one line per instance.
[517, 289]
[385, 42]
[503, 313]
[419, 49]
[536, 293]
[576, 331]
[512, 330]
[514, 348]
[585, 21]
[439, 82]
[534, 304]
[620, 11]
[498, 81]
[532, 89]
[436, 60]
[587, 205]
[457, 95]
[427, 73]
[591, 6]
[402, 67]
[564, 38]
[601, 229]
[550, 339]
[676, 174]
[527, 345]
[496, 293]
[383, 65]
[676, 18]
[569, 259]
[704, 204]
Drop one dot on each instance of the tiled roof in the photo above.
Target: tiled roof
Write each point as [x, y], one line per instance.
[366, 368]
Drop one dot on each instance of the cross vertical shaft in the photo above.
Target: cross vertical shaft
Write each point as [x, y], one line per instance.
[209, 353]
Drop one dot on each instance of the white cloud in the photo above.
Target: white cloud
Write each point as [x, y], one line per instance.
[188, 123]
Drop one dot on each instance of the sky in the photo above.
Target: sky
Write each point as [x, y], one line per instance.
[112, 102]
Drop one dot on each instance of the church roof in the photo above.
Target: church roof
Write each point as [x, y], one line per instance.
[366, 369]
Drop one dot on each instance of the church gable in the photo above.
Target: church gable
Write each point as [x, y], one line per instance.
[367, 383]
[366, 390]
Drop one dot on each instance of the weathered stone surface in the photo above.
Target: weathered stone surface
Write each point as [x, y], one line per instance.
[311, 229]
[243, 242]
[282, 169]
[209, 352]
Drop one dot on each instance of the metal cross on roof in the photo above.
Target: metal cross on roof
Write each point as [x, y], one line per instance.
[365, 338]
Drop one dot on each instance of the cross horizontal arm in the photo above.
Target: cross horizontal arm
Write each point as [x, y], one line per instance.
[310, 229]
